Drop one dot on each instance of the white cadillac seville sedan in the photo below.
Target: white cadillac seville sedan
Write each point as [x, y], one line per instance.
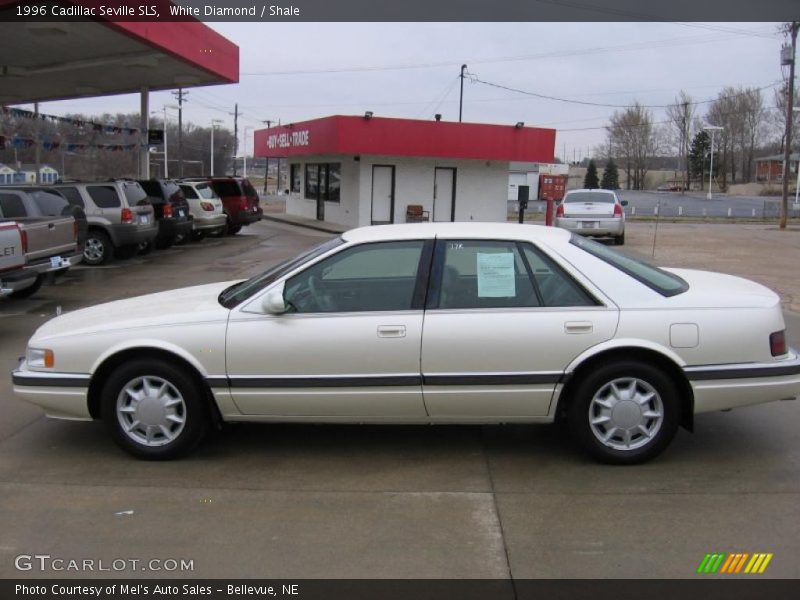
[424, 323]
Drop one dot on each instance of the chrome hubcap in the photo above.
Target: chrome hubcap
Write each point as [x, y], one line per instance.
[151, 411]
[93, 251]
[626, 414]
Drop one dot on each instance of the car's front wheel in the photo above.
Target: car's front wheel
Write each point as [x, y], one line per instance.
[626, 412]
[154, 410]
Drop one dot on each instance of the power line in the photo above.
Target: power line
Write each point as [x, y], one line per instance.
[600, 104]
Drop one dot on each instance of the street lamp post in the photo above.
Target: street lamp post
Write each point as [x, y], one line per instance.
[166, 162]
[214, 122]
[796, 170]
[244, 157]
[712, 129]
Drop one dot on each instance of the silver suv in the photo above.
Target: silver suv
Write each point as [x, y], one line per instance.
[119, 214]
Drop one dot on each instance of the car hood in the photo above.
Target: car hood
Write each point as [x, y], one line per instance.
[718, 290]
[175, 307]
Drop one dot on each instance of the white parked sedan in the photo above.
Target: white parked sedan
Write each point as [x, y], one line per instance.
[595, 213]
[423, 323]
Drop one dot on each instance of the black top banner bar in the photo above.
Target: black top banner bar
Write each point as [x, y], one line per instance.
[272, 11]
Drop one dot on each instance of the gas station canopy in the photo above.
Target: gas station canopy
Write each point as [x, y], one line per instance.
[43, 61]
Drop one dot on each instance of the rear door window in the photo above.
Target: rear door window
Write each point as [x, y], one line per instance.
[227, 188]
[50, 203]
[189, 192]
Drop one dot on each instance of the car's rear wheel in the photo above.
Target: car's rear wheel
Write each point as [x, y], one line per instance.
[127, 251]
[233, 229]
[198, 236]
[619, 240]
[626, 412]
[154, 410]
[29, 291]
[98, 249]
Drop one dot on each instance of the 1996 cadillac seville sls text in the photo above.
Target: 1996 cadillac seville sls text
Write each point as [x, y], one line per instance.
[423, 323]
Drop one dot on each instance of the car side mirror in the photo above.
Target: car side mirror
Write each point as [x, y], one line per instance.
[623, 202]
[273, 302]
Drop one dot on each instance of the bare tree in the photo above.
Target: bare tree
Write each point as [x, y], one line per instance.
[680, 116]
[633, 139]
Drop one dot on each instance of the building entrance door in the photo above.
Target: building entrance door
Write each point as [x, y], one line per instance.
[444, 194]
[382, 194]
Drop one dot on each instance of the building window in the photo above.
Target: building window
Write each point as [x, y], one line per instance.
[294, 178]
[323, 181]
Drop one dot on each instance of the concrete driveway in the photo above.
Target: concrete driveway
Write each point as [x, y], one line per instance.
[298, 501]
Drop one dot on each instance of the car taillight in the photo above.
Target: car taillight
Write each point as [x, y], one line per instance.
[168, 210]
[23, 236]
[618, 210]
[777, 343]
[127, 215]
[560, 210]
[207, 206]
[245, 203]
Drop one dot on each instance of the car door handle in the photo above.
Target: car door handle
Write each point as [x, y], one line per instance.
[392, 331]
[578, 327]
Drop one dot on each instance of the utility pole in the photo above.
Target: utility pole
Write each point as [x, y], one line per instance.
[787, 151]
[268, 123]
[235, 135]
[685, 148]
[461, 96]
[180, 95]
[36, 141]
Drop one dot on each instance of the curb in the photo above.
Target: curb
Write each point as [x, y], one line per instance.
[296, 224]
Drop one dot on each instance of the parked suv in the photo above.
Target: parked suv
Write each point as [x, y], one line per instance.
[119, 214]
[206, 208]
[171, 210]
[240, 201]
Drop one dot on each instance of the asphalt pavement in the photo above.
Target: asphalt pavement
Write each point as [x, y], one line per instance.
[292, 501]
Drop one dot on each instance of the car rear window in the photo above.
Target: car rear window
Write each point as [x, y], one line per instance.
[249, 190]
[134, 193]
[174, 192]
[227, 188]
[11, 207]
[589, 197]
[663, 282]
[204, 191]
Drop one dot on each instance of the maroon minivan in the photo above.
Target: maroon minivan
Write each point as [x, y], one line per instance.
[239, 200]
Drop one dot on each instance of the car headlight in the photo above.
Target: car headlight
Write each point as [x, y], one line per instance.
[40, 358]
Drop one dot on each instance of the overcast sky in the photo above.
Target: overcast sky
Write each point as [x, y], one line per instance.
[297, 71]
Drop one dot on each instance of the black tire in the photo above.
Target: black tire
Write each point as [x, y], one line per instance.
[193, 409]
[233, 229]
[627, 375]
[98, 250]
[619, 240]
[164, 243]
[198, 236]
[28, 291]
[126, 252]
[145, 248]
[182, 239]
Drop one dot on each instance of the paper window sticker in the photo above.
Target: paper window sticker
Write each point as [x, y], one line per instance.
[496, 275]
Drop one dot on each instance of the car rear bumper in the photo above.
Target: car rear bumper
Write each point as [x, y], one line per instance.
[721, 387]
[60, 395]
[204, 223]
[42, 266]
[246, 217]
[127, 234]
[592, 226]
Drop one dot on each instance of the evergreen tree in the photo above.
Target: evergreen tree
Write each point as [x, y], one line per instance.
[699, 156]
[590, 182]
[610, 176]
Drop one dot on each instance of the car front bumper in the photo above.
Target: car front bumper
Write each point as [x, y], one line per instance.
[722, 387]
[60, 395]
[591, 226]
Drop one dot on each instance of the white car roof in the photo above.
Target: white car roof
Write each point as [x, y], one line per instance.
[511, 231]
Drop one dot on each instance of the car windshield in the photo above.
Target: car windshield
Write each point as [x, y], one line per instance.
[243, 290]
[589, 197]
[663, 282]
